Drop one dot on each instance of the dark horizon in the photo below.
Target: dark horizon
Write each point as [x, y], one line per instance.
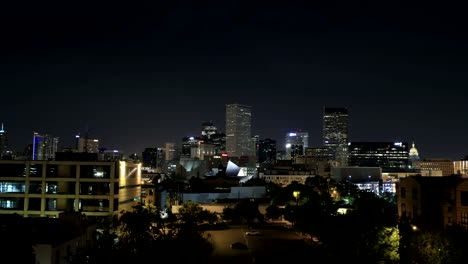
[139, 76]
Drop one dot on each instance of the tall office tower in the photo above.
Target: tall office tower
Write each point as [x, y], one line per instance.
[170, 151]
[266, 150]
[296, 143]
[85, 144]
[3, 142]
[44, 146]
[335, 132]
[208, 129]
[210, 135]
[238, 125]
[153, 157]
[187, 144]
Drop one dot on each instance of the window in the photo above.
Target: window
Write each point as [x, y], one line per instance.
[464, 198]
[403, 209]
[414, 194]
[464, 219]
[403, 192]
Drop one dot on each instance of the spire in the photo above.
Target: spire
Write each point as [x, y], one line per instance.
[2, 130]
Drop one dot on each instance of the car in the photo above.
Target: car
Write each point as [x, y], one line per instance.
[253, 233]
[238, 245]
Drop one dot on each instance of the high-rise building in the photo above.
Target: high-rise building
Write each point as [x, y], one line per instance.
[238, 130]
[390, 156]
[266, 150]
[44, 147]
[3, 142]
[335, 132]
[296, 143]
[85, 144]
[170, 151]
[187, 144]
[153, 157]
[208, 129]
[211, 135]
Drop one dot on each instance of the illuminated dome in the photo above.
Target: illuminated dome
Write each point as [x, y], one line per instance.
[413, 153]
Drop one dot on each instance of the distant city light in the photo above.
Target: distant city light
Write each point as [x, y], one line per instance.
[288, 145]
[292, 134]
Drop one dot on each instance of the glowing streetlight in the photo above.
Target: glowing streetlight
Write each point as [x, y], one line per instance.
[296, 195]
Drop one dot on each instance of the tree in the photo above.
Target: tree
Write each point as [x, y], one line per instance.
[380, 245]
[430, 247]
[193, 214]
[230, 214]
[273, 212]
[248, 210]
[138, 229]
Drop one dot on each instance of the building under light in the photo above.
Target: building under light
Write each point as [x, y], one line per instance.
[87, 144]
[238, 130]
[296, 143]
[47, 188]
[335, 132]
[390, 156]
[44, 146]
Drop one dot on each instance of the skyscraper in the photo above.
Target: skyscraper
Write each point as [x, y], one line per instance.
[296, 143]
[335, 132]
[3, 142]
[238, 130]
[266, 150]
[85, 144]
[44, 147]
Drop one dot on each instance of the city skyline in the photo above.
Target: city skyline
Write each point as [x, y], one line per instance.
[140, 76]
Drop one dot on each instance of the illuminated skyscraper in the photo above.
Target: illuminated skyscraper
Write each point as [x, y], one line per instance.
[296, 143]
[238, 130]
[335, 132]
[44, 147]
[3, 142]
[85, 144]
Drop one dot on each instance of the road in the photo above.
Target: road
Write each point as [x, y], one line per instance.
[273, 245]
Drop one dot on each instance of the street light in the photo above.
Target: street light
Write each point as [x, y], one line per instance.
[296, 195]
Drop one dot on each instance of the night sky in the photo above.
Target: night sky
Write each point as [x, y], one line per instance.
[139, 76]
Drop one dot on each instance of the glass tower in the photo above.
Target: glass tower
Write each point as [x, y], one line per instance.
[335, 132]
[44, 147]
[238, 130]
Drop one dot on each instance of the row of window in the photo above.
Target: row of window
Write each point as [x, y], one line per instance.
[85, 188]
[54, 171]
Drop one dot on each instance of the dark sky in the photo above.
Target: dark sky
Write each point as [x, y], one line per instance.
[141, 75]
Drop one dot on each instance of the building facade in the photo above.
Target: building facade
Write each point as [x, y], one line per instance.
[434, 202]
[460, 167]
[335, 132]
[430, 165]
[47, 188]
[44, 147]
[238, 130]
[390, 156]
[87, 144]
[296, 143]
[266, 150]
